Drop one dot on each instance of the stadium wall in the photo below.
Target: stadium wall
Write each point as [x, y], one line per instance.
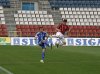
[30, 41]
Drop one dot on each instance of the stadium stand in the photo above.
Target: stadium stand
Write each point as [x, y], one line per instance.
[82, 15]
[74, 3]
[3, 28]
[33, 19]
[2, 18]
[84, 31]
[79, 18]
[31, 30]
[5, 3]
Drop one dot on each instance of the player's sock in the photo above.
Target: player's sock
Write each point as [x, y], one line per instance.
[51, 45]
[43, 55]
[57, 45]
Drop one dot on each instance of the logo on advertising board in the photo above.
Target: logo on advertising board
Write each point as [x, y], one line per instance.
[27, 41]
[83, 41]
[5, 41]
[16, 41]
[69, 41]
[23, 41]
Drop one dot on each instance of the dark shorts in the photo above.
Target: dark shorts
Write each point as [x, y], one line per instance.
[42, 45]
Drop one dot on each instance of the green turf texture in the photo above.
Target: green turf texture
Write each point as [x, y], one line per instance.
[64, 60]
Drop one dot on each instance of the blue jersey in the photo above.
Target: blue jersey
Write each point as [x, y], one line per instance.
[41, 36]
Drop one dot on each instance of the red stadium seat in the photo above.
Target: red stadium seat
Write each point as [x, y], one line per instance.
[0, 26]
[26, 27]
[35, 26]
[31, 26]
[76, 31]
[17, 26]
[22, 26]
[3, 30]
[33, 33]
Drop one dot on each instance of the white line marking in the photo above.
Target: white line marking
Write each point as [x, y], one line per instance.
[5, 70]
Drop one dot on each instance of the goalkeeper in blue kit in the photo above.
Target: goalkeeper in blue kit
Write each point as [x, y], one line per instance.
[42, 37]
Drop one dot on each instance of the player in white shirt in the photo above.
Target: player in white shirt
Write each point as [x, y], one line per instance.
[60, 39]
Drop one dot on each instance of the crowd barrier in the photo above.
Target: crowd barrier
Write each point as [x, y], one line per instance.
[30, 41]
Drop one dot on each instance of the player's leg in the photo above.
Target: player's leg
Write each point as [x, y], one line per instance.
[61, 38]
[46, 43]
[43, 52]
[49, 44]
[63, 41]
[58, 42]
[57, 45]
[43, 56]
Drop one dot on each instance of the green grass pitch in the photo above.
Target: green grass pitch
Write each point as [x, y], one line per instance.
[64, 60]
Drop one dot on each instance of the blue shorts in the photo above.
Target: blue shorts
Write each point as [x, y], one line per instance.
[41, 44]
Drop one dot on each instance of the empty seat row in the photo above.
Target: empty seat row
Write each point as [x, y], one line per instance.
[84, 31]
[84, 27]
[83, 20]
[81, 17]
[76, 19]
[5, 3]
[34, 23]
[74, 34]
[2, 18]
[31, 12]
[3, 30]
[75, 31]
[84, 23]
[3, 34]
[33, 17]
[33, 29]
[74, 3]
[79, 9]
[3, 26]
[81, 12]
[33, 26]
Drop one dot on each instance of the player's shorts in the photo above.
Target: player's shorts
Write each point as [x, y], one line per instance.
[60, 38]
[59, 34]
[60, 41]
[43, 45]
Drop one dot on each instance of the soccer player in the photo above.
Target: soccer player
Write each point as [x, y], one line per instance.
[42, 41]
[62, 30]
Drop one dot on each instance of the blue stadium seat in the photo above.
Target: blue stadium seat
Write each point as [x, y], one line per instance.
[74, 3]
[5, 3]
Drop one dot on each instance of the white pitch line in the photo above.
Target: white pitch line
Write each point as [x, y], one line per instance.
[5, 70]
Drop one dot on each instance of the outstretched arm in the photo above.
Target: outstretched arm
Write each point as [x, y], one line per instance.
[36, 36]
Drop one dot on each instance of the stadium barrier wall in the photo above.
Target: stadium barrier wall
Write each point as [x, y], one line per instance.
[30, 41]
[26, 41]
